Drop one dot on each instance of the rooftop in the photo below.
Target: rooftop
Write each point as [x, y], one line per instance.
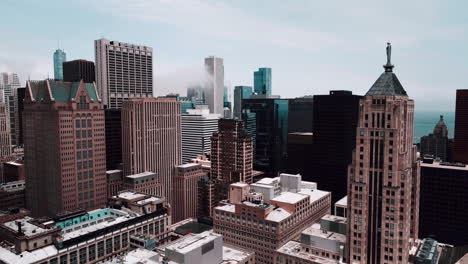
[227, 208]
[239, 184]
[139, 175]
[289, 197]
[293, 248]
[315, 231]
[137, 256]
[343, 202]
[188, 165]
[129, 195]
[443, 165]
[192, 241]
[27, 228]
[278, 215]
[26, 257]
[233, 255]
[148, 200]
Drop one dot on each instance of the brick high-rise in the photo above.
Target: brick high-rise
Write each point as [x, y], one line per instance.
[151, 139]
[383, 180]
[460, 146]
[231, 155]
[64, 147]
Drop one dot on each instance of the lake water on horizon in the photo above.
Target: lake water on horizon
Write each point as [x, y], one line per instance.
[424, 123]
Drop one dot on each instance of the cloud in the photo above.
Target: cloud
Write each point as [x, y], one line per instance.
[219, 19]
[27, 67]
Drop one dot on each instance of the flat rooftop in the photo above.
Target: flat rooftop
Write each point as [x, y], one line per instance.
[239, 184]
[137, 256]
[26, 257]
[234, 255]
[315, 231]
[268, 181]
[129, 195]
[148, 200]
[227, 208]
[438, 165]
[139, 175]
[192, 241]
[314, 194]
[293, 248]
[343, 202]
[334, 218]
[278, 215]
[188, 165]
[289, 197]
[27, 228]
[113, 171]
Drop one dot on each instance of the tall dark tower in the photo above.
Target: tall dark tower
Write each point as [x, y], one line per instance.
[383, 178]
[460, 148]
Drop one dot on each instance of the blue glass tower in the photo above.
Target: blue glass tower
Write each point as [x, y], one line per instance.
[262, 81]
[271, 132]
[59, 58]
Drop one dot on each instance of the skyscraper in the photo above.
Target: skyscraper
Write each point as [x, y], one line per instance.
[9, 84]
[113, 124]
[437, 143]
[271, 131]
[335, 118]
[187, 178]
[231, 156]
[151, 139]
[301, 114]
[123, 71]
[460, 146]
[262, 81]
[198, 125]
[214, 91]
[383, 194]
[59, 58]
[240, 93]
[77, 70]
[64, 152]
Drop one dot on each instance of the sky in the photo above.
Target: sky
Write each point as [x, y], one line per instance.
[312, 46]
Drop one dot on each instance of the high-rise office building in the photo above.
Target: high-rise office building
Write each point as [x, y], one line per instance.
[198, 125]
[9, 84]
[20, 93]
[335, 118]
[460, 145]
[231, 155]
[113, 124]
[383, 191]
[151, 139]
[123, 71]
[437, 143]
[5, 143]
[240, 93]
[271, 132]
[186, 187]
[196, 94]
[269, 213]
[59, 58]
[64, 152]
[262, 81]
[77, 70]
[301, 114]
[214, 91]
[443, 206]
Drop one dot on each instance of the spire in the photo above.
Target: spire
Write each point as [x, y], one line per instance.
[389, 66]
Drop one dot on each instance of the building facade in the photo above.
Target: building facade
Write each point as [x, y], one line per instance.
[113, 124]
[198, 125]
[264, 216]
[460, 145]
[151, 139]
[85, 236]
[335, 122]
[301, 114]
[12, 195]
[64, 147]
[271, 132]
[262, 81]
[240, 93]
[59, 58]
[383, 192]
[186, 187]
[144, 182]
[231, 156]
[437, 143]
[214, 91]
[443, 206]
[9, 85]
[5, 135]
[77, 70]
[123, 71]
